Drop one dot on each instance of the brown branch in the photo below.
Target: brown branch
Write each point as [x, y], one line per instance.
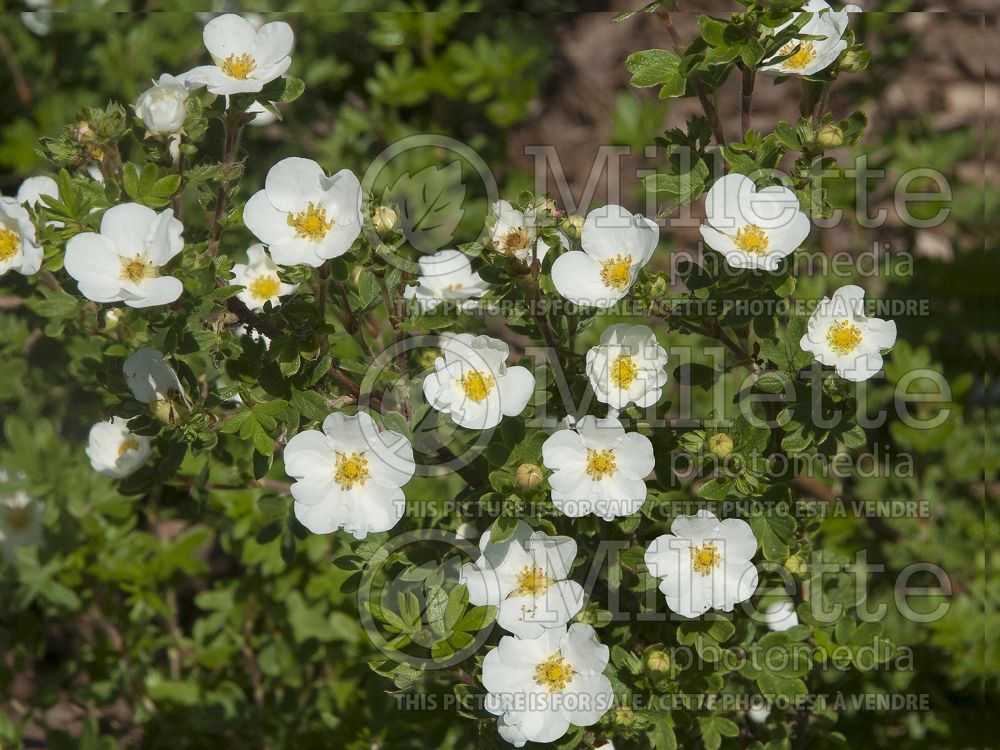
[706, 104]
[20, 82]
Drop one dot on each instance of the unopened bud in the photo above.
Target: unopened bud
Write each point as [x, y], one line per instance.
[851, 61]
[528, 475]
[720, 445]
[657, 661]
[830, 135]
[83, 132]
[111, 319]
[573, 226]
[169, 410]
[384, 219]
[796, 565]
[624, 716]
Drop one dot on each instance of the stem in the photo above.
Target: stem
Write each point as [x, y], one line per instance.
[323, 274]
[746, 100]
[706, 104]
[233, 127]
[821, 105]
[176, 200]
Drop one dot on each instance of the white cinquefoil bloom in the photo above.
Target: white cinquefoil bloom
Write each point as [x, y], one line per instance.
[32, 189]
[805, 57]
[446, 275]
[19, 248]
[349, 475]
[154, 382]
[598, 468]
[705, 563]
[114, 451]
[616, 244]
[303, 216]
[525, 579]
[539, 686]
[515, 232]
[840, 335]
[20, 521]
[246, 58]
[259, 279]
[753, 228]
[163, 107]
[628, 366]
[473, 383]
[123, 262]
[780, 615]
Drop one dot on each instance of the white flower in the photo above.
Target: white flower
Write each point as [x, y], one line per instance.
[154, 382]
[19, 249]
[780, 615]
[473, 384]
[758, 713]
[524, 578]
[303, 216]
[163, 107]
[20, 521]
[446, 275]
[114, 451]
[539, 686]
[514, 232]
[598, 468]
[705, 563]
[628, 366]
[616, 244]
[840, 335]
[245, 58]
[32, 189]
[259, 279]
[349, 475]
[753, 228]
[812, 56]
[39, 20]
[122, 263]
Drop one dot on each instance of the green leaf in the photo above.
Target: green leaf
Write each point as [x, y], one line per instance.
[502, 529]
[654, 67]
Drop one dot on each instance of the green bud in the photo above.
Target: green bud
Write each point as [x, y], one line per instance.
[830, 135]
[573, 226]
[720, 445]
[528, 475]
[384, 219]
[624, 716]
[796, 565]
[657, 660]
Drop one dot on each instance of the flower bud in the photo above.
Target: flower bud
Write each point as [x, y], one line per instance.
[384, 219]
[851, 62]
[796, 565]
[111, 319]
[82, 132]
[573, 226]
[657, 661]
[528, 475]
[170, 410]
[624, 716]
[164, 106]
[720, 445]
[830, 135]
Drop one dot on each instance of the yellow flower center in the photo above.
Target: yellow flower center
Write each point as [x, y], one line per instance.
[312, 223]
[805, 55]
[616, 273]
[239, 66]
[265, 287]
[600, 464]
[515, 239]
[705, 558]
[532, 581]
[10, 243]
[623, 370]
[138, 268]
[453, 287]
[350, 469]
[18, 517]
[96, 152]
[843, 337]
[554, 673]
[477, 385]
[131, 443]
[751, 239]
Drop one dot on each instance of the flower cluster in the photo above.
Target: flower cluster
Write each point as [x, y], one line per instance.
[350, 475]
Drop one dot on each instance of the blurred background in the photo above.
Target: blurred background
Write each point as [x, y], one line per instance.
[200, 633]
